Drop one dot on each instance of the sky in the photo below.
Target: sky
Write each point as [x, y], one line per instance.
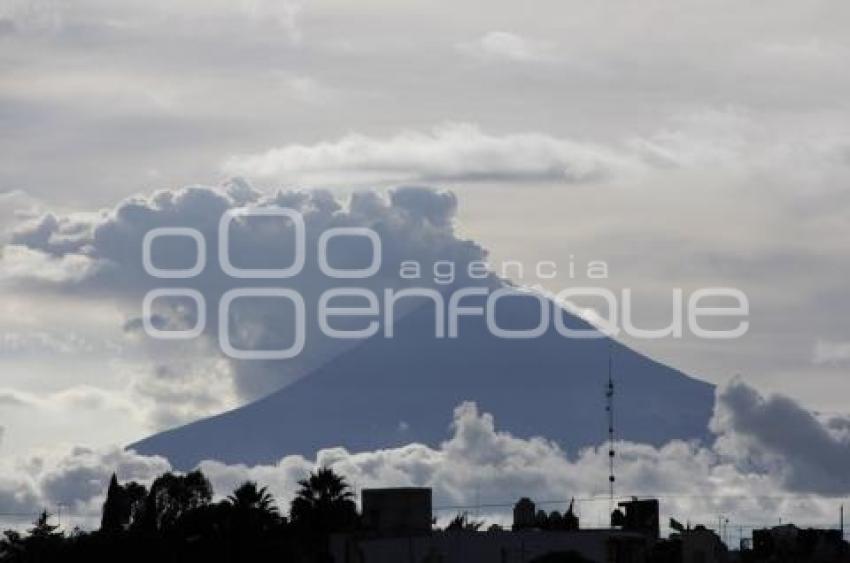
[687, 144]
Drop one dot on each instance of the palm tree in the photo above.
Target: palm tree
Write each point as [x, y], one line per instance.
[323, 505]
[248, 496]
[251, 515]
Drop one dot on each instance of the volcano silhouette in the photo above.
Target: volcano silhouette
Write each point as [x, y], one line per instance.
[389, 392]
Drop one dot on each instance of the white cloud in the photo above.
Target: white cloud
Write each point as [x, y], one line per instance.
[450, 152]
[726, 146]
[41, 341]
[827, 352]
[482, 464]
[184, 389]
[15, 207]
[20, 262]
[70, 400]
[504, 45]
[75, 478]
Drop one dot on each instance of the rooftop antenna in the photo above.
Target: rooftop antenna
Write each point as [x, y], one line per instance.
[609, 408]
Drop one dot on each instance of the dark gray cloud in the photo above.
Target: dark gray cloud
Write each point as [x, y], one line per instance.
[777, 433]
[413, 223]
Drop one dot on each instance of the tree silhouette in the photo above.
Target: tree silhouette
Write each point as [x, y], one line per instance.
[123, 505]
[561, 557]
[12, 547]
[462, 522]
[42, 528]
[171, 496]
[322, 506]
[324, 502]
[135, 496]
[252, 511]
[116, 510]
[249, 496]
[44, 542]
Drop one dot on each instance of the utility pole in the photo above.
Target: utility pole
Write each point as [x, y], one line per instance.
[841, 521]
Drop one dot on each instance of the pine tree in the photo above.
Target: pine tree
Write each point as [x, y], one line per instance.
[116, 508]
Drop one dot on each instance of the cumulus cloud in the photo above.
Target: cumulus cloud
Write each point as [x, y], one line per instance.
[449, 152]
[75, 478]
[34, 266]
[15, 207]
[777, 434]
[99, 255]
[479, 463]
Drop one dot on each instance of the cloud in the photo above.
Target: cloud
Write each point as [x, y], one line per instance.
[78, 398]
[507, 46]
[479, 463]
[185, 389]
[15, 206]
[46, 15]
[36, 342]
[18, 261]
[129, 83]
[724, 143]
[449, 152]
[831, 352]
[777, 434]
[138, 103]
[98, 256]
[75, 478]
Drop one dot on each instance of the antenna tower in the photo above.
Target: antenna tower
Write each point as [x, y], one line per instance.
[609, 408]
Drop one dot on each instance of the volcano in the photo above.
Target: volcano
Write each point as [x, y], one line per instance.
[387, 392]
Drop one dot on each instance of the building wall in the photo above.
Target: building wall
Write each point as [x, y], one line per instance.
[702, 546]
[493, 547]
[398, 511]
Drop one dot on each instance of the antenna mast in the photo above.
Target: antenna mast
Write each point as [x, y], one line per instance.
[609, 408]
